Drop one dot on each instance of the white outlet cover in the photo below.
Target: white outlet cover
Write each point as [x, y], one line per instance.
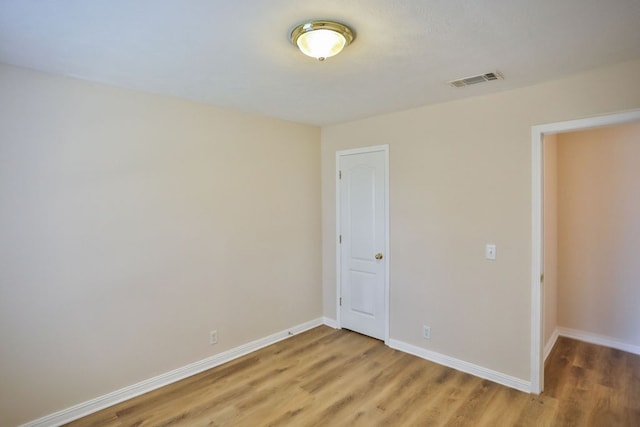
[426, 332]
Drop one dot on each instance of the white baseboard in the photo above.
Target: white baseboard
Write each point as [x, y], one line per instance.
[110, 399]
[550, 344]
[332, 323]
[461, 365]
[598, 339]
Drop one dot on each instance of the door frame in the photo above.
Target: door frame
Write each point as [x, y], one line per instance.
[384, 148]
[537, 302]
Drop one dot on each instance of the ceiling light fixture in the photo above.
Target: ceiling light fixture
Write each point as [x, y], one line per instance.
[321, 39]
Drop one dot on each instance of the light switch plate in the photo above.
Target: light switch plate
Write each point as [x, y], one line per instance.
[490, 252]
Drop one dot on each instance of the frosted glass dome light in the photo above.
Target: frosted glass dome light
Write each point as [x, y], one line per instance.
[321, 39]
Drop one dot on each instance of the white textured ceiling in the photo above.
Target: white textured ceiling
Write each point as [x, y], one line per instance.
[237, 53]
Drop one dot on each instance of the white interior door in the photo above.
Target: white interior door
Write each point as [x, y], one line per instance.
[363, 241]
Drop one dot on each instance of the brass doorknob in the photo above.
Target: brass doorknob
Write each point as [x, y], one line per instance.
[378, 255]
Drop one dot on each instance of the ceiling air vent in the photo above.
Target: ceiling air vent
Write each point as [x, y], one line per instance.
[480, 78]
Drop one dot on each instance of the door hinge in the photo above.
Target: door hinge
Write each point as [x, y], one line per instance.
[340, 239]
[340, 301]
[339, 174]
[541, 278]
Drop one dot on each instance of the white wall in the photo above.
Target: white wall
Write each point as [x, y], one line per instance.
[131, 225]
[460, 177]
[599, 232]
[550, 239]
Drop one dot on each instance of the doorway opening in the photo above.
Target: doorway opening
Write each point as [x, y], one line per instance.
[537, 256]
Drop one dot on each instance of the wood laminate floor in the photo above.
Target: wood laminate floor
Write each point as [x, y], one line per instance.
[327, 377]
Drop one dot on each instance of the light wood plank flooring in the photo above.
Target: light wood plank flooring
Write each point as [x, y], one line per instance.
[327, 377]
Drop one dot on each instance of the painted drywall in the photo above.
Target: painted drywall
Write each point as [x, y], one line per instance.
[460, 177]
[599, 232]
[131, 225]
[550, 239]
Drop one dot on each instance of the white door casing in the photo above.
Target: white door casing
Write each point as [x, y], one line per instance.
[362, 217]
[537, 294]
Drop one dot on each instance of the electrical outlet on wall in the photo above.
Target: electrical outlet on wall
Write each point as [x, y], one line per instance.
[426, 332]
[213, 337]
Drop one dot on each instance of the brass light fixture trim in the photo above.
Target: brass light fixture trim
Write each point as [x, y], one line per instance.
[321, 39]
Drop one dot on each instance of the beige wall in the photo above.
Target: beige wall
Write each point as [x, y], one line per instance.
[131, 225]
[460, 177]
[599, 232]
[130, 221]
[550, 240]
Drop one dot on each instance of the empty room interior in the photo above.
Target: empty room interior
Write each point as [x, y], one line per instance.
[432, 220]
